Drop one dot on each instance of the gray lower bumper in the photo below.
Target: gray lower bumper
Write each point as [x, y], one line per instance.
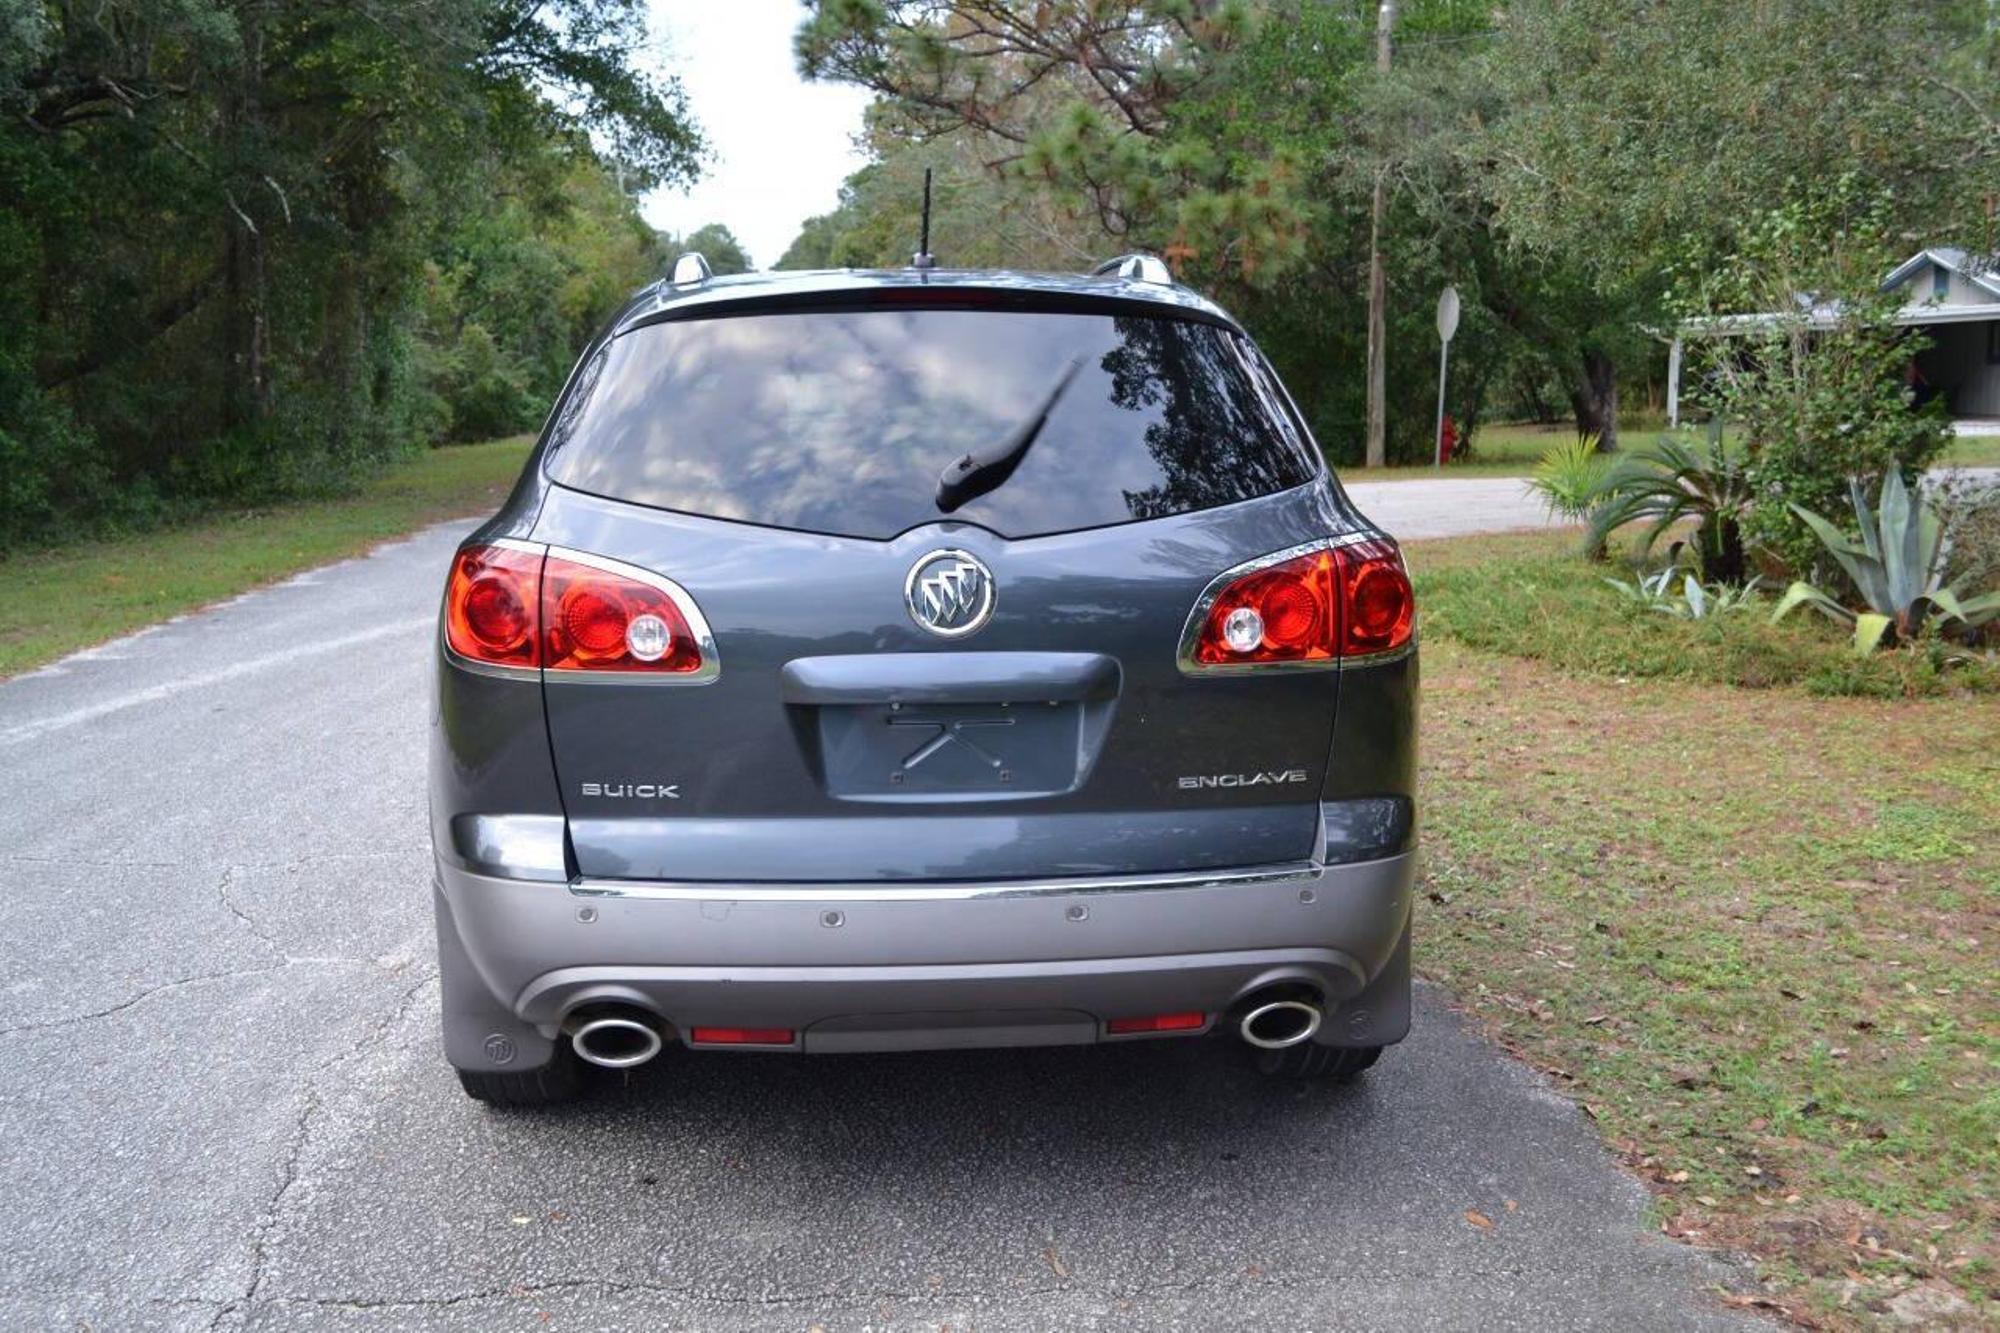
[877, 967]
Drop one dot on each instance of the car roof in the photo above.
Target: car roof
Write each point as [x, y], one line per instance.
[848, 287]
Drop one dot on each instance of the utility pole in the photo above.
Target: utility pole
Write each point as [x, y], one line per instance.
[1378, 280]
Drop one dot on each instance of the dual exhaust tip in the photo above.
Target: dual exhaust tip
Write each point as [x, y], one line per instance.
[628, 1038]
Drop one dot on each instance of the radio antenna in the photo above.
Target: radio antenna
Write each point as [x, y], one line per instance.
[922, 258]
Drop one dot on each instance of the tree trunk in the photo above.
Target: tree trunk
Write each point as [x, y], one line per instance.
[1595, 399]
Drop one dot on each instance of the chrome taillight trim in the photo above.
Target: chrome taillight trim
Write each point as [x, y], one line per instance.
[704, 638]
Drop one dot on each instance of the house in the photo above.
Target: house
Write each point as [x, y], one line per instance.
[1953, 297]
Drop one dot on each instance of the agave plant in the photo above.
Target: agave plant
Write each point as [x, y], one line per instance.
[1692, 600]
[1897, 566]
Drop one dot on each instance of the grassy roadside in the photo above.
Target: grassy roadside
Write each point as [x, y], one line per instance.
[1751, 930]
[1511, 449]
[55, 602]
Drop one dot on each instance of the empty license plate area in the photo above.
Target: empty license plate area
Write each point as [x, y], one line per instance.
[990, 751]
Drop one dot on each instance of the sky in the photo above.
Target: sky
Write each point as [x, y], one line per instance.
[779, 146]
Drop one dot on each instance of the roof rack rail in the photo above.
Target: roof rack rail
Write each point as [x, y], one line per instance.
[1135, 267]
[690, 270]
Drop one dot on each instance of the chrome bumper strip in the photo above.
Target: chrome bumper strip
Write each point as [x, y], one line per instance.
[1303, 872]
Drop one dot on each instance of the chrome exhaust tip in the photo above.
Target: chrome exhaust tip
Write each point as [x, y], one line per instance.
[1280, 1023]
[615, 1041]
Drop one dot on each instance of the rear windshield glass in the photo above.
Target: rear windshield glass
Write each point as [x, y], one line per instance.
[841, 421]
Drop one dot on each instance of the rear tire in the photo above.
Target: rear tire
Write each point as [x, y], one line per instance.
[1308, 1059]
[554, 1083]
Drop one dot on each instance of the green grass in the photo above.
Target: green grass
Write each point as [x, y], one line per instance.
[1751, 930]
[1978, 451]
[1512, 448]
[55, 602]
[1531, 595]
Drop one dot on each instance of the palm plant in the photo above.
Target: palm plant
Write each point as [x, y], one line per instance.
[1669, 483]
[1897, 566]
[1568, 475]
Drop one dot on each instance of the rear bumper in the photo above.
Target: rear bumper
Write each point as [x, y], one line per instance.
[910, 966]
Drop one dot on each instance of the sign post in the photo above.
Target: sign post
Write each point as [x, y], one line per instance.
[1447, 324]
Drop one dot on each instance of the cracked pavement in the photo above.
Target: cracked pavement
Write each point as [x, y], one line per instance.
[226, 1105]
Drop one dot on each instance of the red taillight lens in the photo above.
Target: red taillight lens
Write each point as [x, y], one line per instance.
[740, 1036]
[1344, 601]
[1187, 1022]
[1379, 608]
[490, 605]
[1287, 613]
[596, 620]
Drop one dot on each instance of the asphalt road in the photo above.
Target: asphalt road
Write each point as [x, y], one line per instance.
[1449, 506]
[224, 1104]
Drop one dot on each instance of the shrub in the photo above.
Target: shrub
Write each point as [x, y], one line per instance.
[1819, 390]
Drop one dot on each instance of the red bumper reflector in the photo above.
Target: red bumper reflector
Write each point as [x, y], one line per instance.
[741, 1036]
[1156, 1023]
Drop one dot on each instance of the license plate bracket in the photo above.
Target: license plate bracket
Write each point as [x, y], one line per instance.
[990, 751]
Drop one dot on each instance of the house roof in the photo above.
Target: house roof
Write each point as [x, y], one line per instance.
[1818, 314]
[1985, 276]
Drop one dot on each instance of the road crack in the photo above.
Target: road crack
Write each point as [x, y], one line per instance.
[300, 1140]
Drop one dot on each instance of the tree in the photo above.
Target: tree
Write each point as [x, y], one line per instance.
[222, 214]
[715, 243]
[1636, 138]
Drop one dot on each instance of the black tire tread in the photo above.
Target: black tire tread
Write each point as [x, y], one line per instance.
[554, 1083]
[1336, 1064]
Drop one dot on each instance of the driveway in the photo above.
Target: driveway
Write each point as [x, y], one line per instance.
[225, 1105]
[1449, 506]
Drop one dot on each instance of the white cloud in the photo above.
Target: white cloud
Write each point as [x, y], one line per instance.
[780, 147]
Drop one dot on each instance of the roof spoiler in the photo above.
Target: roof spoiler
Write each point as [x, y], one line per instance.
[690, 270]
[1135, 267]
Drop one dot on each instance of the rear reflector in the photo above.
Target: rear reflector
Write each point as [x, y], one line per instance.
[740, 1036]
[1187, 1022]
[1320, 606]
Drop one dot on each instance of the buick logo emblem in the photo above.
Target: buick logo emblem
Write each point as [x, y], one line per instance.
[949, 593]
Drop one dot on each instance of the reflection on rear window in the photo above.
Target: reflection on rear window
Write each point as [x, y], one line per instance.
[840, 422]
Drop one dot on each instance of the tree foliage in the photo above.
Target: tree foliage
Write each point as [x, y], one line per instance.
[264, 242]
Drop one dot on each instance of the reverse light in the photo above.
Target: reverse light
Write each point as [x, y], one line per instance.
[1319, 606]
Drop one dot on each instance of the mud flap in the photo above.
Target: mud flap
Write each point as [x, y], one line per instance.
[480, 1033]
[1380, 1014]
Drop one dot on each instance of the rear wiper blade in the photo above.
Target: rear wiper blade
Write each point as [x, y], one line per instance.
[974, 475]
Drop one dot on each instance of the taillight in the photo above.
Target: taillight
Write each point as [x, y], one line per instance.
[596, 619]
[1378, 607]
[526, 607]
[489, 605]
[1316, 607]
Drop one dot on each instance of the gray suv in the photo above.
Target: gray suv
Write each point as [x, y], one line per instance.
[919, 659]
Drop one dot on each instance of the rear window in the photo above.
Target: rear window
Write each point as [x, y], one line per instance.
[841, 421]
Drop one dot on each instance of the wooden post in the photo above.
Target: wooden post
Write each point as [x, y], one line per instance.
[1378, 281]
